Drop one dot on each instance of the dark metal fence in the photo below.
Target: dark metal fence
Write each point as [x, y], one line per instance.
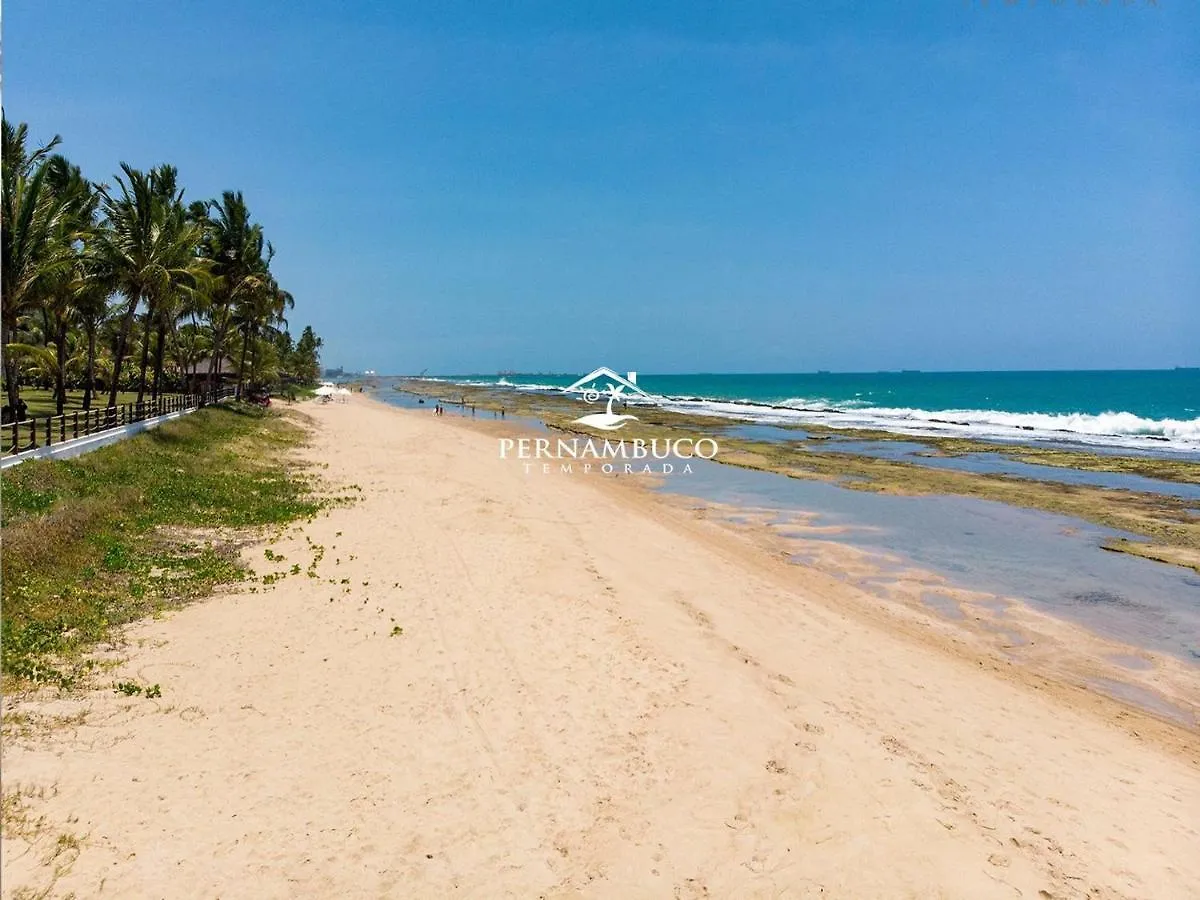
[45, 431]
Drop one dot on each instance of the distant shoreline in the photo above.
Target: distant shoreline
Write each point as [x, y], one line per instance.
[1156, 412]
[1163, 516]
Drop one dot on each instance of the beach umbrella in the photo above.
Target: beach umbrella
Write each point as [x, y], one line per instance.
[325, 390]
[343, 390]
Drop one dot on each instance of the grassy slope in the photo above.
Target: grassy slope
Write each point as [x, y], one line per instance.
[130, 529]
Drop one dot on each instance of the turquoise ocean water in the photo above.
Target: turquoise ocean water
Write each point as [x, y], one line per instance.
[1154, 410]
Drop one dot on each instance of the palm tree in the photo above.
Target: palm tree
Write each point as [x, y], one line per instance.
[307, 357]
[185, 301]
[240, 258]
[189, 345]
[160, 301]
[208, 263]
[33, 256]
[146, 249]
[259, 315]
[91, 309]
[80, 202]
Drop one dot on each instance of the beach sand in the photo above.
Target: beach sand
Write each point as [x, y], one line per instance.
[594, 694]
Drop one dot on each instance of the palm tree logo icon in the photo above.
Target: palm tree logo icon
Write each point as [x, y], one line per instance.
[615, 386]
[607, 420]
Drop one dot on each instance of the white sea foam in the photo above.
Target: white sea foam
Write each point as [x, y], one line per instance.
[1110, 429]
[1114, 429]
[489, 382]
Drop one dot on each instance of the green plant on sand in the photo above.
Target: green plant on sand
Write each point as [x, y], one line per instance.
[131, 529]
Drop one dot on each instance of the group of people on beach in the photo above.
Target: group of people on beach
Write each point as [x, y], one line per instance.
[440, 410]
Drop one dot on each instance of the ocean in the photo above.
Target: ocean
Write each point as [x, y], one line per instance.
[1155, 411]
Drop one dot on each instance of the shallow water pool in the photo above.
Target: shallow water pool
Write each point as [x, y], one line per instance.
[1053, 562]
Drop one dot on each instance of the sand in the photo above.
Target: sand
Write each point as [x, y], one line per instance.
[594, 694]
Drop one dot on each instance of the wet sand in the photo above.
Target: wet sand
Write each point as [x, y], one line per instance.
[503, 684]
[1056, 564]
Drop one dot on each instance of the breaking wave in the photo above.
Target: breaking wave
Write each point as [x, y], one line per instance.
[1116, 429]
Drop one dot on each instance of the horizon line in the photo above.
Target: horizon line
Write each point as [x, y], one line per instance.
[645, 374]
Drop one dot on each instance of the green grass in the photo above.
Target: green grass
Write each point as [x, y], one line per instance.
[123, 532]
[41, 402]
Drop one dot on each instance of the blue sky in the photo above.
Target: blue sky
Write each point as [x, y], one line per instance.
[670, 187]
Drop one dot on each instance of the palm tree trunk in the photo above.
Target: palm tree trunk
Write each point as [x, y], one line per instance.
[158, 357]
[89, 384]
[60, 373]
[145, 352]
[10, 368]
[254, 359]
[119, 356]
[213, 361]
[242, 364]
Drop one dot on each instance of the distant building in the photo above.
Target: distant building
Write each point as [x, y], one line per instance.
[334, 373]
[198, 379]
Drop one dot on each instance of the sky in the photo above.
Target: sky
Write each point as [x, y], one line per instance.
[465, 187]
